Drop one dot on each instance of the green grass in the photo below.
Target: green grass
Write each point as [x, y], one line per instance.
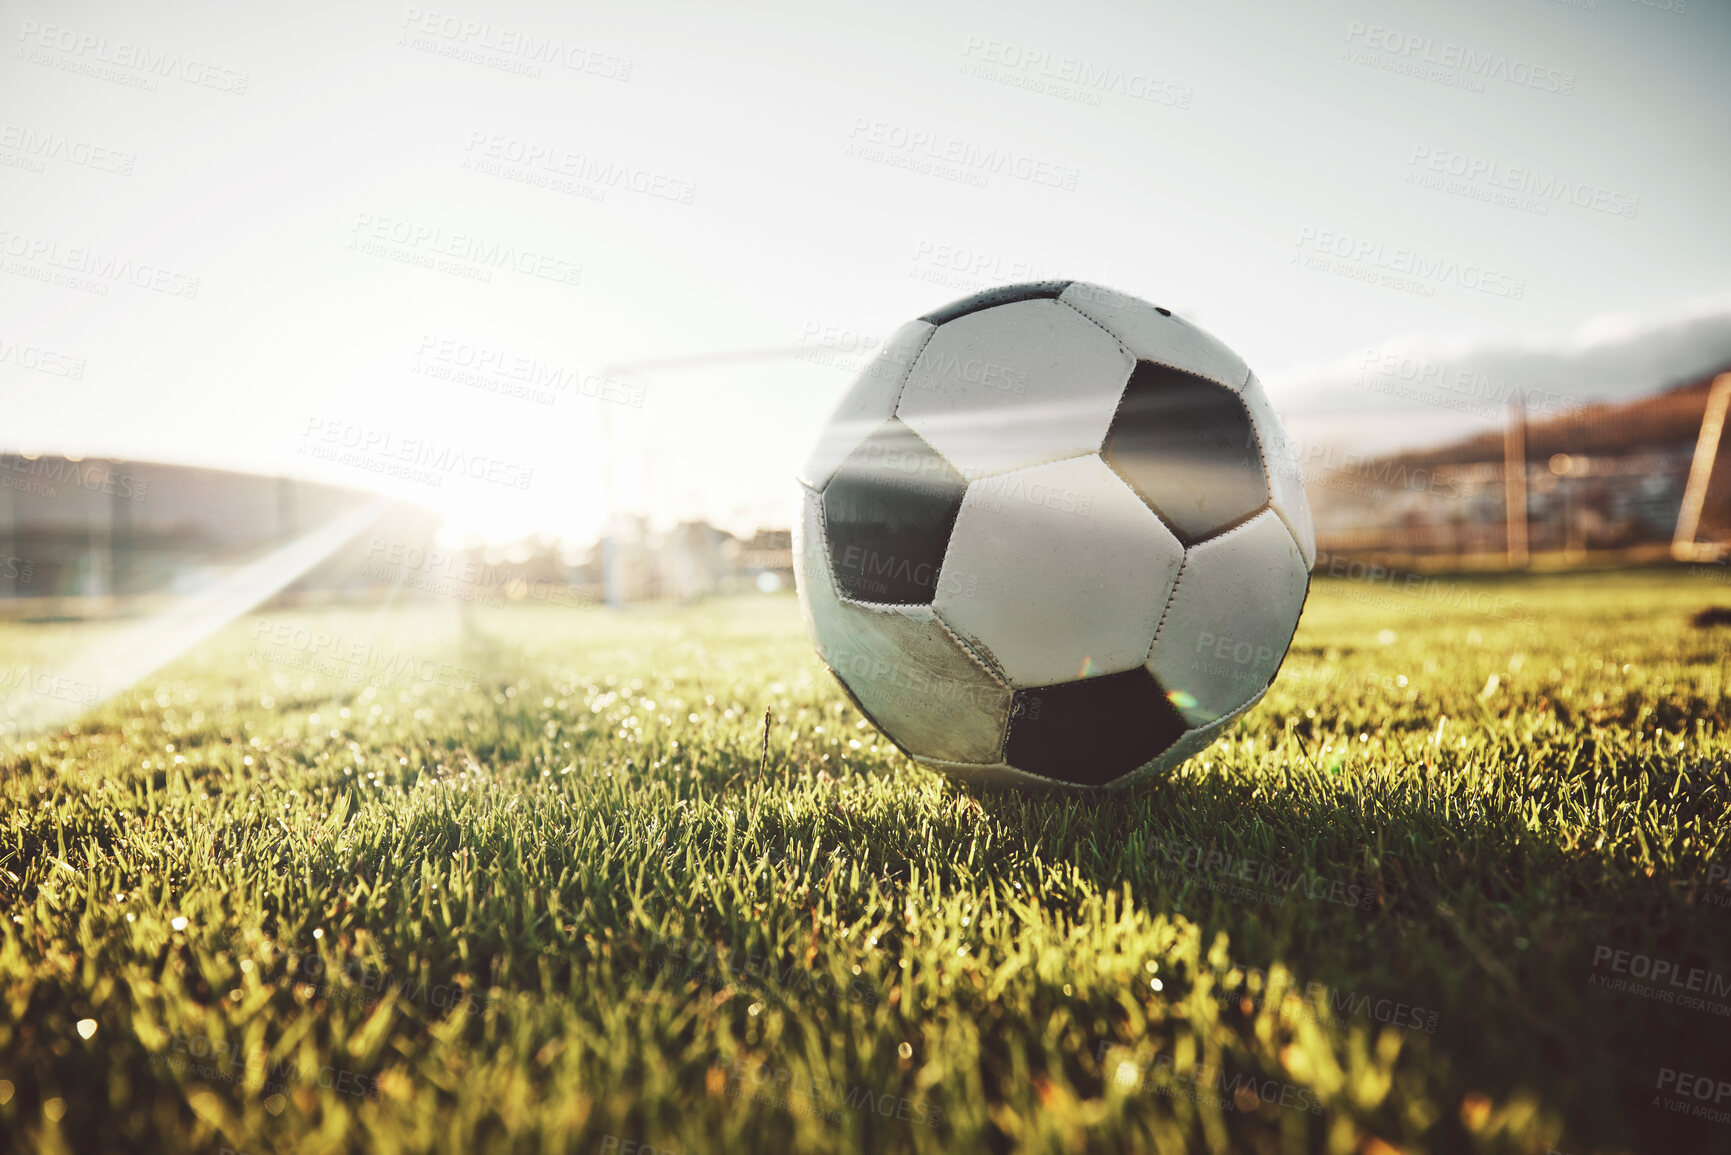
[570, 907]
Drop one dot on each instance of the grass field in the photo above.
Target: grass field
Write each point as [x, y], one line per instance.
[1458, 884]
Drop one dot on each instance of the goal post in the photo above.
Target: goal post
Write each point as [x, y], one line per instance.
[1684, 547]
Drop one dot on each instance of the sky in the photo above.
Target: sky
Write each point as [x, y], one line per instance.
[629, 256]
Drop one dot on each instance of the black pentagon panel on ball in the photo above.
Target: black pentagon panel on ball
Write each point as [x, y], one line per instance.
[1186, 444]
[888, 513]
[1094, 731]
[1002, 295]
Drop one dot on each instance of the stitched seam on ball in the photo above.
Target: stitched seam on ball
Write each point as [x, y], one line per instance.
[1268, 473]
[1287, 652]
[829, 577]
[902, 385]
[1261, 453]
[857, 604]
[969, 651]
[1116, 340]
[1028, 777]
[1025, 468]
[1134, 357]
[897, 607]
[1170, 598]
[1002, 682]
[806, 492]
[1186, 566]
[823, 539]
[1123, 347]
[1236, 390]
[1219, 727]
[1241, 526]
[1267, 461]
[1240, 523]
[1001, 746]
[1280, 516]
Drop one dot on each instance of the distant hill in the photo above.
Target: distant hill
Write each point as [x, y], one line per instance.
[1608, 475]
[1660, 421]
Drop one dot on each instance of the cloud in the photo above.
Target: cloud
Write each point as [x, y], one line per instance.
[1414, 391]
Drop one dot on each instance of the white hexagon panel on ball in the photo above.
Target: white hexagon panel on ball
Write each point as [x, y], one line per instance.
[1016, 385]
[1057, 572]
[1231, 618]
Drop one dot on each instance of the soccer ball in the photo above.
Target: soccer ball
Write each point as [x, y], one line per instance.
[1053, 535]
